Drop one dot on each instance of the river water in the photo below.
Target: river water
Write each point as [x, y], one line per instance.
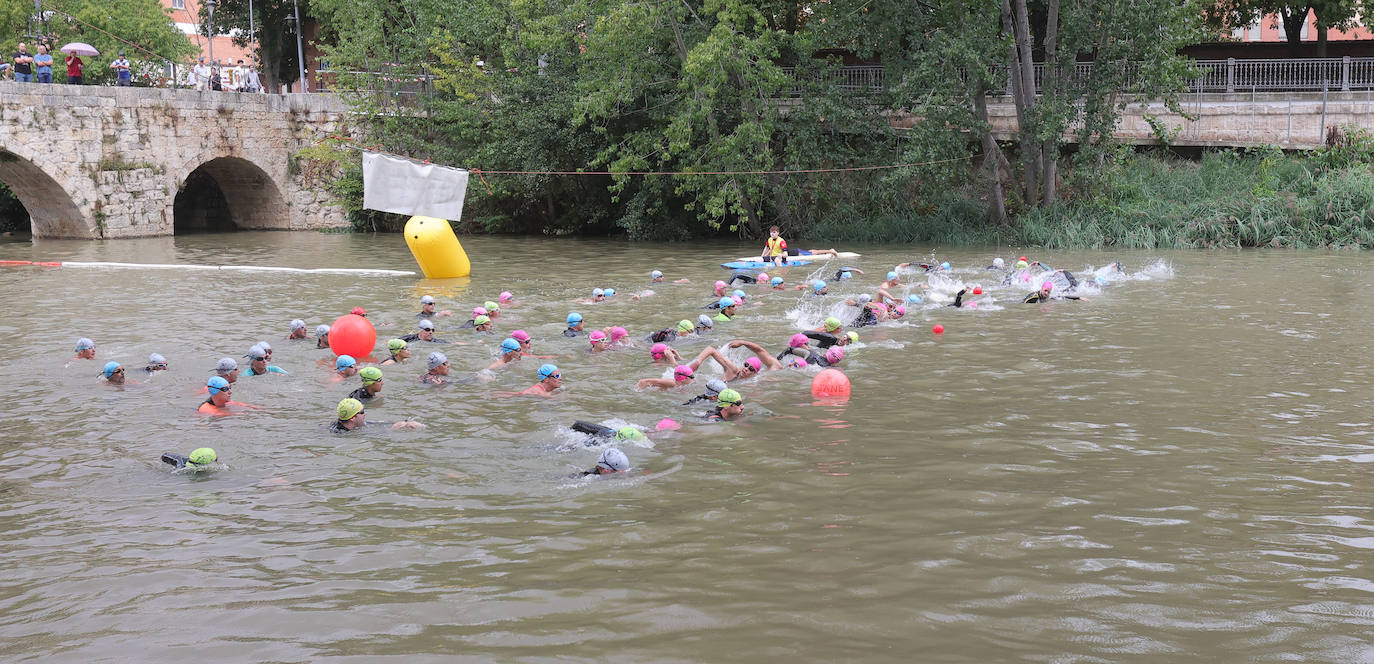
[1177, 468]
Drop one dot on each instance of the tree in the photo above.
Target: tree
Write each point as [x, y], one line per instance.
[1225, 15]
[276, 41]
[140, 28]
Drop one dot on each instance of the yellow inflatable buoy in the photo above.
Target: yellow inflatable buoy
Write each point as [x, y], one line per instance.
[436, 248]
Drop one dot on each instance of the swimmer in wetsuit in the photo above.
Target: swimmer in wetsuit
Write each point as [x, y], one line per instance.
[199, 459]
[438, 369]
[729, 406]
[728, 308]
[599, 432]
[1044, 295]
[611, 462]
[400, 352]
[425, 333]
[713, 389]
[574, 325]
[372, 384]
[740, 276]
[156, 362]
[322, 336]
[257, 363]
[297, 330]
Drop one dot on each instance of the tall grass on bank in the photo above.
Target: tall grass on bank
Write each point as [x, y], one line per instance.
[1226, 199]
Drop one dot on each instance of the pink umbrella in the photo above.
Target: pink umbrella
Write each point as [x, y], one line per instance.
[79, 48]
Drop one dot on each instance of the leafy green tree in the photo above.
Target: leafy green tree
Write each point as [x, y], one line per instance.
[271, 29]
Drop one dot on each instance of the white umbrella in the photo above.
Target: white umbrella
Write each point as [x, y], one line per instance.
[79, 48]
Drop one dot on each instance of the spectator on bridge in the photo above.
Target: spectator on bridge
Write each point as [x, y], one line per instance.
[251, 82]
[215, 83]
[123, 75]
[74, 65]
[23, 64]
[43, 64]
[4, 70]
[200, 75]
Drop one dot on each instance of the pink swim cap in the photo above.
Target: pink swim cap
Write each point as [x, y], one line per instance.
[901, 310]
[799, 363]
[763, 276]
[505, 296]
[618, 333]
[834, 354]
[738, 299]
[667, 424]
[1047, 286]
[657, 350]
[520, 335]
[596, 335]
[798, 340]
[479, 311]
[754, 363]
[682, 371]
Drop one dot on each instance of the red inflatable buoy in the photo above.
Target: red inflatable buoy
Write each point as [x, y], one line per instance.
[352, 334]
[938, 329]
[977, 290]
[830, 383]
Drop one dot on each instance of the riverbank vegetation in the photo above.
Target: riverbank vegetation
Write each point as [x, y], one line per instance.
[753, 88]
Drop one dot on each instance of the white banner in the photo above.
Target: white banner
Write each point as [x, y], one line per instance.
[402, 186]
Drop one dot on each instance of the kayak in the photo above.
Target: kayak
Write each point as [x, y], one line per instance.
[803, 257]
[760, 265]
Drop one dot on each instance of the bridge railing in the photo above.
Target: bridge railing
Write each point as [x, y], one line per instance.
[1230, 75]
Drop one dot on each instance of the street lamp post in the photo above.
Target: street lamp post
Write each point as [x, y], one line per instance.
[300, 53]
[210, 31]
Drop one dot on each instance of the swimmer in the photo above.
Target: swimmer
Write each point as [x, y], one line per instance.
[493, 309]
[998, 265]
[266, 349]
[438, 369]
[113, 373]
[751, 366]
[372, 384]
[727, 310]
[598, 295]
[825, 340]
[740, 276]
[719, 290]
[831, 357]
[476, 311]
[704, 324]
[656, 277]
[620, 336]
[611, 462]
[610, 292]
[506, 298]
[218, 403]
[682, 374]
[868, 311]
[600, 341]
[1021, 263]
[777, 283]
[228, 369]
[424, 333]
[481, 324]
[713, 389]
[729, 406]
[550, 379]
[322, 336]
[598, 431]
[344, 367]
[85, 349]
[400, 352]
[664, 354]
[156, 362]
[297, 330]
[257, 363]
[1045, 295]
[684, 328]
[359, 311]
[352, 416]
[574, 325]
[958, 302]
[510, 352]
[199, 459]
[831, 325]
[818, 288]
[427, 308]
[892, 280]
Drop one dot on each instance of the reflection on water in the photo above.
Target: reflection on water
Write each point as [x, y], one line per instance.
[1177, 467]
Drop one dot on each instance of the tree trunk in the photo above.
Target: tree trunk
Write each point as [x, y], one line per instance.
[992, 156]
[1023, 96]
[1321, 38]
[1293, 20]
[1049, 148]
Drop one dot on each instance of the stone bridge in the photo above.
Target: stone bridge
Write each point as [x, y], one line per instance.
[109, 162]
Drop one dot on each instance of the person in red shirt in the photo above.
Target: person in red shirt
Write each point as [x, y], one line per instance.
[74, 65]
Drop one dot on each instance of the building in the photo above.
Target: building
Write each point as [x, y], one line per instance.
[186, 15]
[1270, 29]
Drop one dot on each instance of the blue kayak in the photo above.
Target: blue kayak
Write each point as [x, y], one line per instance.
[760, 265]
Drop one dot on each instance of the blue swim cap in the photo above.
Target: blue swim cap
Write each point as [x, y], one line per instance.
[1100, 280]
[109, 368]
[914, 299]
[891, 275]
[655, 274]
[610, 292]
[944, 265]
[777, 281]
[846, 274]
[574, 318]
[344, 362]
[215, 384]
[817, 285]
[83, 343]
[509, 345]
[547, 370]
[739, 294]
[726, 302]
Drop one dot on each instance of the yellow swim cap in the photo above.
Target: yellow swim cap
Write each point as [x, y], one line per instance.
[348, 408]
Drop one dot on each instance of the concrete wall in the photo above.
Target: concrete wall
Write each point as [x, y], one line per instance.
[93, 162]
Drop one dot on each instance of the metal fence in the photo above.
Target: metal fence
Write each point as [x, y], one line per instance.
[1230, 75]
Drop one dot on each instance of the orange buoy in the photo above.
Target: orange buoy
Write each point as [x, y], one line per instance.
[830, 383]
[938, 329]
[352, 334]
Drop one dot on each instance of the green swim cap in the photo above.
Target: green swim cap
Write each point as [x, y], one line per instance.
[685, 326]
[370, 375]
[202, 457]
[481, 320]
[853, 336]
[491, 306]
[349, 407]
[729, 397]
[395, 345]
[832, 323]
[630, 433]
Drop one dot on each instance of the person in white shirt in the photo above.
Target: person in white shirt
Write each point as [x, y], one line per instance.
[200, 75]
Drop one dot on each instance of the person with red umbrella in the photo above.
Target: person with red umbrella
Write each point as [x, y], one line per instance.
[74, 52]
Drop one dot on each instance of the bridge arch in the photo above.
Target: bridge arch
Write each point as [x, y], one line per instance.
[52, 212]
[228, 193]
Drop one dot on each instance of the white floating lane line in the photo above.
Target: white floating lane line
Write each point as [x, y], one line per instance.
[238, 268]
